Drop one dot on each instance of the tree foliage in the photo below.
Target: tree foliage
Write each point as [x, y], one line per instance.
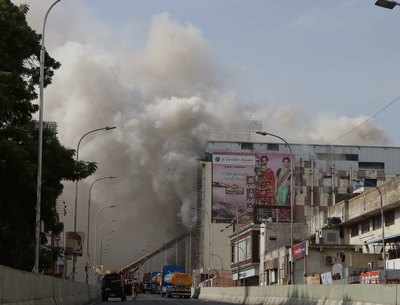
[19, 77]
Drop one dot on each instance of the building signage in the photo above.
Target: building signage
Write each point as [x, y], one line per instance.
[272, 214]
[242, 181]
[74, 243]
[234, 159]
[244, 274]
[371, 277]
[314, 279]
[326, 278]
[300, 250]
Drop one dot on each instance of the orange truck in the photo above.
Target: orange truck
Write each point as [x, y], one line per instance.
[175, 282]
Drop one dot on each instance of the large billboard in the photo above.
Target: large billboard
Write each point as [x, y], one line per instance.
[243, 181]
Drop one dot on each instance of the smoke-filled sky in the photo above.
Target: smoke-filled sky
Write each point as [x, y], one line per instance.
[173, 74]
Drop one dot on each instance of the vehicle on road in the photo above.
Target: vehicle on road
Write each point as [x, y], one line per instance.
[147, 282]
[155, 282]
[113, 286]
[175, 282]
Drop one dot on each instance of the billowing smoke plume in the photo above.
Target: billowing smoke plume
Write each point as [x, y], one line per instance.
[167, 99]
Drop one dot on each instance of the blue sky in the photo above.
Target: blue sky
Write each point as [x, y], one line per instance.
[339, 57]
[331, 57]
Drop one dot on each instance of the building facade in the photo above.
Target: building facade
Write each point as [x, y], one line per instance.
[245, 257]
[274, 251]
[370, 218]
[325, 176]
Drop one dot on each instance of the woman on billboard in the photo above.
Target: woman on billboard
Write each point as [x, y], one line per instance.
[283, 175]
[266, 185]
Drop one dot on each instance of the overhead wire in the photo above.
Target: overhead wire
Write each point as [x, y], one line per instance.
[372, 116]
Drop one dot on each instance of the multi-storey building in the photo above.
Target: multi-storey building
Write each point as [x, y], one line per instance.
[240, 177]
[370, 218]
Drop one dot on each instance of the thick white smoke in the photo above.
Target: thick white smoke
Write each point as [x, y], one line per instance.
[167, 99]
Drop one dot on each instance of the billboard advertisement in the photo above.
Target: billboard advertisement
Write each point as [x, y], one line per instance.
[74, 243]
[243, 181]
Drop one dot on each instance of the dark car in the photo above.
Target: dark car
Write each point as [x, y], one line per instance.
[112, 286]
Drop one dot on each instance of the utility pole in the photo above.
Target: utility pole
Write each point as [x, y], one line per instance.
[176, 250]
[89, 212]
[40, 148]
[106, 128]
[292, 194]
[190, 252]
[383, 234]
[101, 252]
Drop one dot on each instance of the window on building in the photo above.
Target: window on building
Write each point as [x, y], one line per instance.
[371, 165]
[248, 248]
[389, 218]
[246, 146]
[273, 147]
[242, 250]
[368, 182]
[376, 222]
[354, 230]
[274, 276]
[365, 227]
[337, 157]
[351, 157]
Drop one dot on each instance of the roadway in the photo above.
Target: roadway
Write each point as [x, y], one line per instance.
[157, 300]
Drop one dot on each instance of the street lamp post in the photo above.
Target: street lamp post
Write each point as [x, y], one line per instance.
[104, 251]
[106, 128]
[40, 144]
[90, 264]
[99, 230]
[383, 233]
[88, 219]
[389, 4]
[111, 206]
[101, 245]
[263, 133]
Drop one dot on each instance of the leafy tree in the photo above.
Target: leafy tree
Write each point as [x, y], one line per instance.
[19, 77]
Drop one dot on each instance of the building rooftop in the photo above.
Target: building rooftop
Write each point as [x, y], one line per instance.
[307, 144]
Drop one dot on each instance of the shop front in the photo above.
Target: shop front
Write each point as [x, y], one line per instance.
[247, 276]
[245, 256]
[276, 267]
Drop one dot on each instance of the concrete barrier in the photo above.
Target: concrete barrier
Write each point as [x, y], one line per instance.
[25, 288]
[305, 295]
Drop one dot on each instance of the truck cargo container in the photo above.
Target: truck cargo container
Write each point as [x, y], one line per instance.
[175, 282]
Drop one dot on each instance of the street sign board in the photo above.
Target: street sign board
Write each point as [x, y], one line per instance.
[74, 243]
[300, 250]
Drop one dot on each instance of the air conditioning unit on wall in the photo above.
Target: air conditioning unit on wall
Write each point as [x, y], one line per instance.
[329, 260]
[331, 237]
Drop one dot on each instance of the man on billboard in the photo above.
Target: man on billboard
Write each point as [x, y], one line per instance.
[283, 176]
[266, 184]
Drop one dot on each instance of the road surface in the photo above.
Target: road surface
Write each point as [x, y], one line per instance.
[157, 300]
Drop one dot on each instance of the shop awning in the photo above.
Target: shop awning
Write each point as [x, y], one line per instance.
[389, 238]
